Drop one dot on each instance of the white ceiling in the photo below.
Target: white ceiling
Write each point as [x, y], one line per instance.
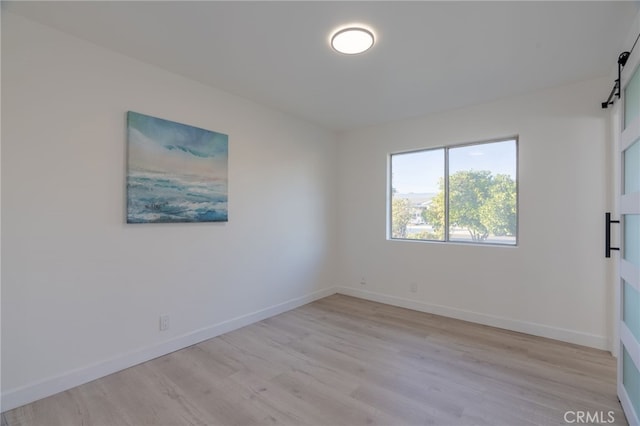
[428, 57]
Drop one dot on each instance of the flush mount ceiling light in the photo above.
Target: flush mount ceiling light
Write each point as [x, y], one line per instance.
[352, 40]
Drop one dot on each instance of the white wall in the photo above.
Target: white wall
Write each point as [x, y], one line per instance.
[555, 282]
[81, 290]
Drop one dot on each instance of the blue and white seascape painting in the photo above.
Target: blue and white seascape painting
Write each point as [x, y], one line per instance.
[176, 173]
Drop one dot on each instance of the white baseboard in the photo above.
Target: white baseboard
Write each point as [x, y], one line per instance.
[23, 395]
[565, 335]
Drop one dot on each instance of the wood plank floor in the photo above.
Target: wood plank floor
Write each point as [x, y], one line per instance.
[346, 361]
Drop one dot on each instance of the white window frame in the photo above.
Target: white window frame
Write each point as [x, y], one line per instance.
[447, 148]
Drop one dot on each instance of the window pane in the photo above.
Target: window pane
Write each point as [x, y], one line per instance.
[631, 309]
[483, 193]
[631, 379]
[632, 238]
[632, 168]
[632, 99]
[417, 183]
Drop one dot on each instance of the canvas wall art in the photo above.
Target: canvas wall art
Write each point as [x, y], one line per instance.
[175, 172]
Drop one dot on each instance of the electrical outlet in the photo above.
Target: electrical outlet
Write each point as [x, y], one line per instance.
[363, 281]
[413, 287]
[164, 322]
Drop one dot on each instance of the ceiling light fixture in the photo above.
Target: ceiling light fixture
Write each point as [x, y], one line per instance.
[352, 40]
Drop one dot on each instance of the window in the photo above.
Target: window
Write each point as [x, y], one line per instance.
[464, 193]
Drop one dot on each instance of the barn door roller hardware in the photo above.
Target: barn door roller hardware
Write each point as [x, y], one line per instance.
[622, 61]
[607, 235]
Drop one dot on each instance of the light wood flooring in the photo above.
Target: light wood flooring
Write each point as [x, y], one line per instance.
[346, 361]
